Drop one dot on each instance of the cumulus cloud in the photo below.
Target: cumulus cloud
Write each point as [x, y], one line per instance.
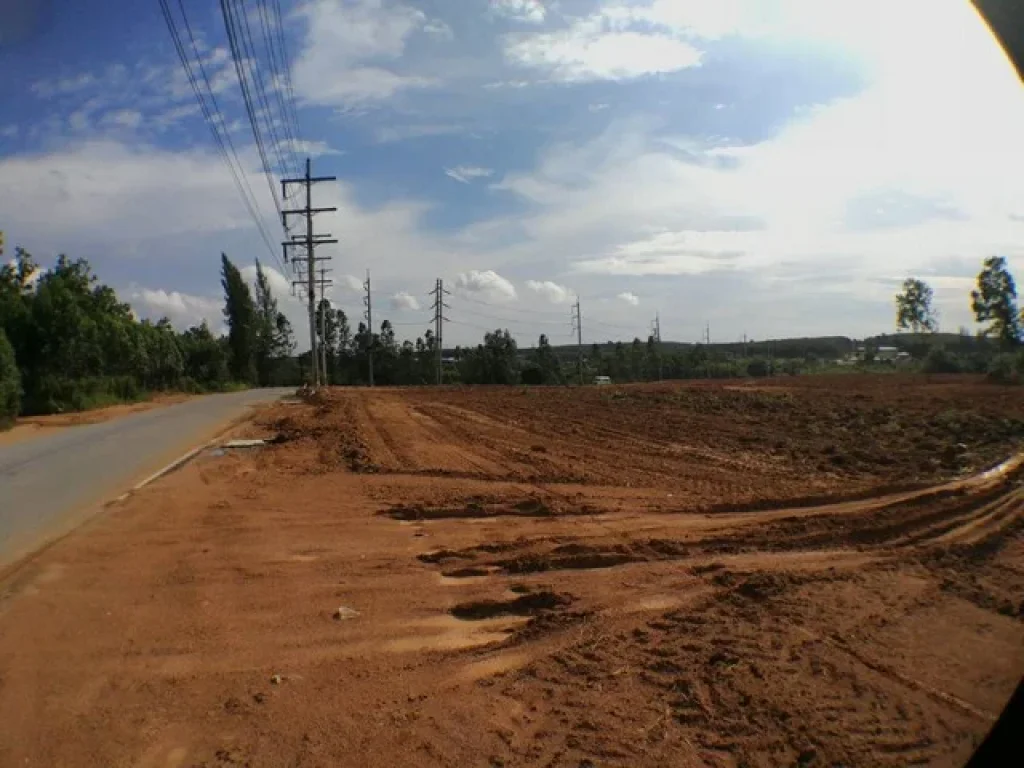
[486, 284]
[404, 301]
[553, 292]
[182, 309]
[588, 51]
[348, 43]
[630, 298]
[466, 173]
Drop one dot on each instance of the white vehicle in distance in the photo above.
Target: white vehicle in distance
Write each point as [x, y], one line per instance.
[602, 380]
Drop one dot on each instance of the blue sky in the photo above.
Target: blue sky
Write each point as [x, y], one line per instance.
[770, 167]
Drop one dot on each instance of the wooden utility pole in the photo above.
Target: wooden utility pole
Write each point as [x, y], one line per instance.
[368, 314]
[439, 320]
[309, 242]
[577, 322]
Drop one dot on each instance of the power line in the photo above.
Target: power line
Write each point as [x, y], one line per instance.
[210, 109]
[260, 87]
[509, 308]
[231, 25]
[511, 320]
[269, 17]
[285, 57]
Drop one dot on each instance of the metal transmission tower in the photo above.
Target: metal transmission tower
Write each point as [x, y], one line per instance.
[577, 325]
[656, 334]
[439, 307]
[310, 241]
[368, 314]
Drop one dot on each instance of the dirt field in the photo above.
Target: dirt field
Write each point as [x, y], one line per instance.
[820, 573]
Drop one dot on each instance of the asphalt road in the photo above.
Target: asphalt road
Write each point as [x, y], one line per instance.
[50, 483]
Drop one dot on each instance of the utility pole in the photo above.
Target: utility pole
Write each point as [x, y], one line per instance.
[325, 308]
[308, 242]
[577, 323]
[368, 314]
[439, 320]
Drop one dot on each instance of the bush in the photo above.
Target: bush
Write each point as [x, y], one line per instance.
[941, 361]
[758, 368]
[10, 382]
[1007, 368]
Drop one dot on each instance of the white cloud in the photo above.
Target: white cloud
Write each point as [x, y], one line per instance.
[922, 167]
[10, 131]
[588, 50]
[404, 301]
[553, 292]
[486, 283]
[439, 30]
[124, 118]
[109, 192]
[310, 148]
[466, 173]
[346, 44]
[182, 309]
[45, 89]
[168, 117]
[350, 283]
[630, 298]
[530, 11]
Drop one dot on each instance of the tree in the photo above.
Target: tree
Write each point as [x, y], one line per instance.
[544, 357]
[205, 358]
[914, 307]
[496, 361]
[240, 314]
[995, 301]
[10, 382]
[272, 339]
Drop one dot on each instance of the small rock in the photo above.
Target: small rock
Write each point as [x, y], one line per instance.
[259, 698]
[344, 612]
[276, 679]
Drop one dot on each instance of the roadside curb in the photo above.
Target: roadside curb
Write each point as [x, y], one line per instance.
[166, 470]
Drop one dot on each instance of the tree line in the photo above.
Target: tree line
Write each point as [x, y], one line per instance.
[68, 343]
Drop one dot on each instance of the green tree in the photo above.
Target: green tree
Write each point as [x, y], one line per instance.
[385, 355]
[10, 383]
[496, 361]
[205, 358]
[273, 340]
[546, 361]
[995, 302]
[914, 307]
[240, 314]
